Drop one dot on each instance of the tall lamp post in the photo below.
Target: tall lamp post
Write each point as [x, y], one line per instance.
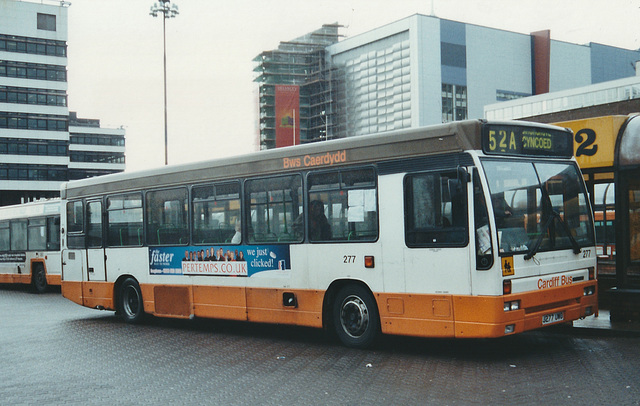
[168, 11]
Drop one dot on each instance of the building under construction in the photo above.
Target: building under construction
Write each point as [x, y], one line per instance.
[302, 63]
[413, 72]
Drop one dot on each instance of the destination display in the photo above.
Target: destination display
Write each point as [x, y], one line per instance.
[507, 139]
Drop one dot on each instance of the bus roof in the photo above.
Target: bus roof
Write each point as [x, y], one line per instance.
[31, 209]
[443, 138]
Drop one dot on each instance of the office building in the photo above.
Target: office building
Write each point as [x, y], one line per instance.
[36, 153]
[620, 97]
[425, 70]
[94, 150]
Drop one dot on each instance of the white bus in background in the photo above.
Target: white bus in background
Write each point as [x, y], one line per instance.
[30, 244]
[407, 232]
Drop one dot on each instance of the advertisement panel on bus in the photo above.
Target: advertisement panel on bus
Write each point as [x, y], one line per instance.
[237, 260]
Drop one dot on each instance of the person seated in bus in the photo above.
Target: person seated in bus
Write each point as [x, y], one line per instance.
[501, 209]
[319, 227]
[237, 237]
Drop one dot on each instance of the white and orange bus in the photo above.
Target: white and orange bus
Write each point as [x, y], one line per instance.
[466, 229]
[30, 244]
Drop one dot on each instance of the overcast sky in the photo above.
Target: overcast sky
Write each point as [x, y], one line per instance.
[115, 58]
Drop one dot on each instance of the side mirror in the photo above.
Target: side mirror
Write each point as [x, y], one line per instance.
[463, 175]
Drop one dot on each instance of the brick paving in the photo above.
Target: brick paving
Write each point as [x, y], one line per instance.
[54, 352]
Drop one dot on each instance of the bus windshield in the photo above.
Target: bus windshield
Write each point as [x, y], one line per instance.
[538, 206]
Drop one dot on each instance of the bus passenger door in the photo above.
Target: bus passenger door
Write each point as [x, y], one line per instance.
[73, 253]
[95, 242]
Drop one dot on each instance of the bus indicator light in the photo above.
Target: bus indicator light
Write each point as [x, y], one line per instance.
[369, 261]
[506, 287]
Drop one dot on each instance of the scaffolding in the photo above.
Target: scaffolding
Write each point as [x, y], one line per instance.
[301, 62]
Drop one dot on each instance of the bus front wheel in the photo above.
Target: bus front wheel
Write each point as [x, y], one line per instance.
[39, 278]
[355, 317]
[130, 304]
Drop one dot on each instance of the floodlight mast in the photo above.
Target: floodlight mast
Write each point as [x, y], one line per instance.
[168, 10]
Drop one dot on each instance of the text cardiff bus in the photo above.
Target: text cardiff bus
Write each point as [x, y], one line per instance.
[467, 229]
[30, 244]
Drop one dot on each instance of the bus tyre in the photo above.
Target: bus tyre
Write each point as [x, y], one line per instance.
[355, 317]
[39, 278]
[130, 305]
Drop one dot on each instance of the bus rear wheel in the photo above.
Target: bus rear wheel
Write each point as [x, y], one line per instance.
[39, 278]
[130, 305]
[355, 317]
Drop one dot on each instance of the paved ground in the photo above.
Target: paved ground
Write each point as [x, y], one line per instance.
[55, 352]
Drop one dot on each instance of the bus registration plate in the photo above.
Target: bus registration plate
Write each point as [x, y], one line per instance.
[552, 318]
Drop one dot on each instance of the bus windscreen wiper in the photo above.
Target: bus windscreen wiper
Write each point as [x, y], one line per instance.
[552, 215]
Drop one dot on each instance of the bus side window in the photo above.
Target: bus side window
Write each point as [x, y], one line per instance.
[36, 234]
[75, 224]
[94, 224]
[435, 210]
[274, 204]
[124, 216]
[216, 213]
[53, 231]
[19, 235]
[348, 202]
[167, 217]
[4, 236]
[484, 252]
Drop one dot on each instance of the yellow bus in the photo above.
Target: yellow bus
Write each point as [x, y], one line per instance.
[466, 229]
[30, 244]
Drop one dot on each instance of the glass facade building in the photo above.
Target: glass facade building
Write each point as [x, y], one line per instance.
[42, 144]
[422, 70]
[301, 62]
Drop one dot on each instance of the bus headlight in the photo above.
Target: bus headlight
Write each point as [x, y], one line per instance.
[512, 305]
[589, 290]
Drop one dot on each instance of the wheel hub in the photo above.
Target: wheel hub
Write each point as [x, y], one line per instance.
[354, 316]
[131, 301]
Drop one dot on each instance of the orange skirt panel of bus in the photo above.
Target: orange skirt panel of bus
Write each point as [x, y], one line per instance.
[479, 316]
[72, 291]
[25, 278]
[89, 294]
[260, 305]
[54, 280]
[416, 315]
[400, 313]
[15, 278]
[267, 306]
